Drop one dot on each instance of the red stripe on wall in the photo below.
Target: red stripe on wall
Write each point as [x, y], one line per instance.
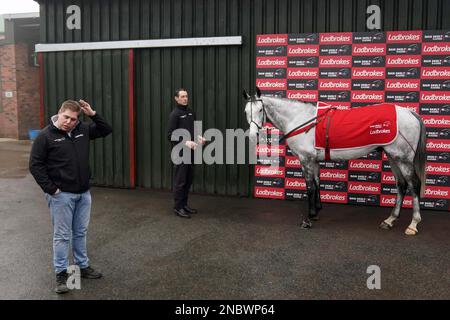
[131, 131]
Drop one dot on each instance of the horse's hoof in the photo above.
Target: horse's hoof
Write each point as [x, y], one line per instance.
[411, 231]
[385, 226]
[306, 225]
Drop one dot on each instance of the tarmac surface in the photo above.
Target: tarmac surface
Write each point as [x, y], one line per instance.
[234, 248]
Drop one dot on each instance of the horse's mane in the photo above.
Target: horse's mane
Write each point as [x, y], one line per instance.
[292, 101]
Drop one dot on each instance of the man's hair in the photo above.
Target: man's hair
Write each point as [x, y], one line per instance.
[177, 92]
[71, 105]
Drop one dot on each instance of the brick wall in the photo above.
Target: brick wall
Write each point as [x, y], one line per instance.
[21, 111]
[9, 127]
[27, 92]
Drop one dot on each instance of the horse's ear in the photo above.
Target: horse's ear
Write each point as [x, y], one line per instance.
[258, 92]
[246, 95]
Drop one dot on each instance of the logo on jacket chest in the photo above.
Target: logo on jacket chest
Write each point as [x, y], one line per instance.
[185, 115]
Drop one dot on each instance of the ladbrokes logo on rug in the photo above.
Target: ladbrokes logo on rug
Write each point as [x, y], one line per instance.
[380, 128]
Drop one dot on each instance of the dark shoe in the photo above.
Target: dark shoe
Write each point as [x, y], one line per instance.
[190, 210]
[61, 282]
[182, 213]
[90, 273]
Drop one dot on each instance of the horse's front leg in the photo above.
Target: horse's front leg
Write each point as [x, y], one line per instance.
[311, 191]
[318, 203]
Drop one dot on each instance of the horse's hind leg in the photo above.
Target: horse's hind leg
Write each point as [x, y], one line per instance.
[414, 185]
[413, 181]
[402, 187]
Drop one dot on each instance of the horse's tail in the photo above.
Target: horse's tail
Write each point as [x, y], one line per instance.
[420, 155]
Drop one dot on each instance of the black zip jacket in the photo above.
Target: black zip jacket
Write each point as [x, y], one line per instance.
[181, 117]
[60, 161]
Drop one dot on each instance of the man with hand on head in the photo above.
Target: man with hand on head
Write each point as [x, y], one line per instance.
[59, 162]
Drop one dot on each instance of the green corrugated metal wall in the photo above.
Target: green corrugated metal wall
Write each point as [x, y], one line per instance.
[215, 76]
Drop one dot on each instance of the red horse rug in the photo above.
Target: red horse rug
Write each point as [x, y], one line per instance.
[338, 129]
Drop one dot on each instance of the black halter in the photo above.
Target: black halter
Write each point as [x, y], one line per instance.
[251, 113]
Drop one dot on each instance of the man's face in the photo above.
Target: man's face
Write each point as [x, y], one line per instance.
[182, 98]
[67, 120]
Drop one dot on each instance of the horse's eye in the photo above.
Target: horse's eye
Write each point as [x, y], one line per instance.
[260, 110]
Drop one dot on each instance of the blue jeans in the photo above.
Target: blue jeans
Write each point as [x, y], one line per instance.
[70, 214]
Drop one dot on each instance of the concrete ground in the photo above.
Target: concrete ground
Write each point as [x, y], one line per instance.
[234, 248]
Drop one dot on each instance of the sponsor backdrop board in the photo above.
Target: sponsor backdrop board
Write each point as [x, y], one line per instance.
[353, 69]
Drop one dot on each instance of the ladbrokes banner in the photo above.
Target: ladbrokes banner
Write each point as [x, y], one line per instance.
[351, 69]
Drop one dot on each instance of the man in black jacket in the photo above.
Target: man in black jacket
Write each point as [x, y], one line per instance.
[182, 117]
[59, 162]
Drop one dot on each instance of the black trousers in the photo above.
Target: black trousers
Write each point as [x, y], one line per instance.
[182, 181]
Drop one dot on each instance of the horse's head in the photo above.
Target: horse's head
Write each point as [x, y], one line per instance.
[254, 110]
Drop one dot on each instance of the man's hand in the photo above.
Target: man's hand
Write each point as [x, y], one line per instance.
[191, 145]
[201, 140]
[86, 107]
